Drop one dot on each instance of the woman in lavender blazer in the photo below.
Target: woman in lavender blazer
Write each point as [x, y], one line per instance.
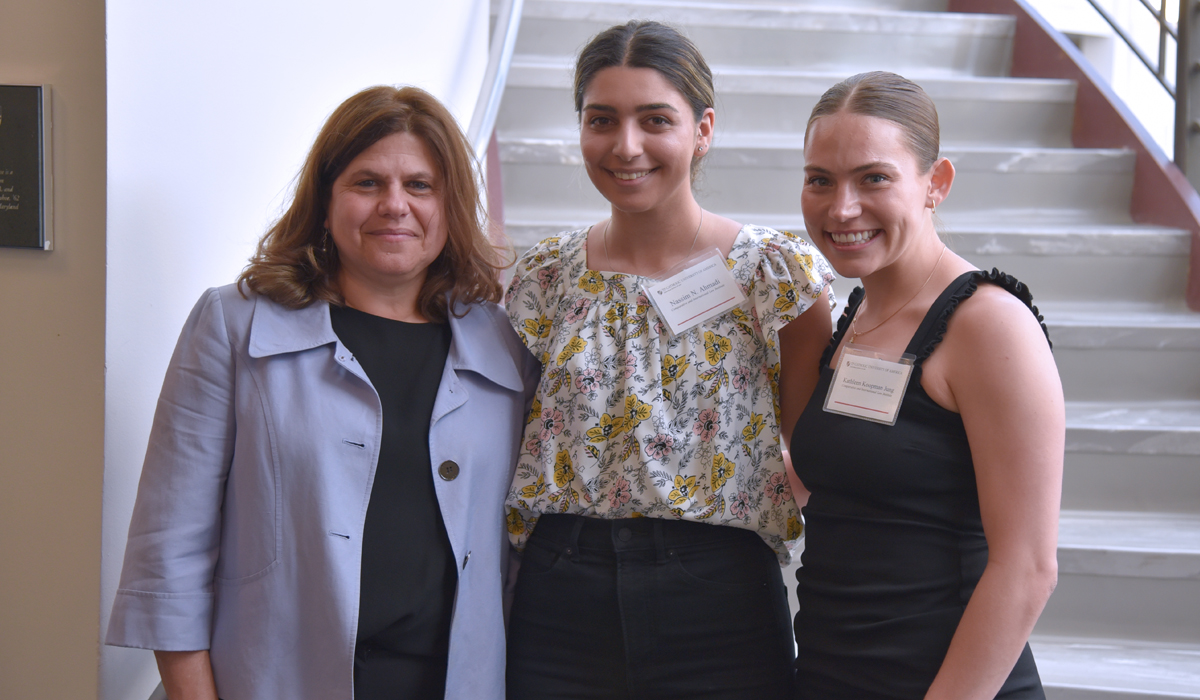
[264, 557]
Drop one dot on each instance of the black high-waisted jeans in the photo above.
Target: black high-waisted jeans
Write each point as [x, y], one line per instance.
[648, 609]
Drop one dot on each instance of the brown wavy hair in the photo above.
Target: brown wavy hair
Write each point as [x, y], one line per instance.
[296, 263]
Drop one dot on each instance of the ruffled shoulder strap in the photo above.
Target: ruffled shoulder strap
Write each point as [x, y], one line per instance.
[929, 334]
[843, 324]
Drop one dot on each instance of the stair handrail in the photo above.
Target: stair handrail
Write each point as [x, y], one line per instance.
[487, 106]
[1177, 88]
[1162, 194]
[1159, 67]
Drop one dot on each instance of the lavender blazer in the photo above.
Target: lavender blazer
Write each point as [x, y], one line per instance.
[246, 537]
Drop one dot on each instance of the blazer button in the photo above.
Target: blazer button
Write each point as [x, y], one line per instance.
[448, 471]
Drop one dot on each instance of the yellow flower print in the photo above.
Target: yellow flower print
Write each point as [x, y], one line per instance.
[534, 411]
[516, 524]
[730, 263]
[744, 322]
[636, 411]
[574, 347]
[806, 263]
[535, 261]
[535, 489]
[544, 358]
[722, 470]
[684, 489]
[563, 471]
[592, 281]
[716, 347]
[787, 296]
[795, 528]
[616, 313]
[672, 368]
[609, 428]
[539, 328]
[756, 425]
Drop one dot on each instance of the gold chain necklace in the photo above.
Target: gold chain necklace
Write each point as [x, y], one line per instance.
[695, 237]
[854, 333]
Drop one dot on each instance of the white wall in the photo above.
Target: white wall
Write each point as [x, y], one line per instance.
[211, 108]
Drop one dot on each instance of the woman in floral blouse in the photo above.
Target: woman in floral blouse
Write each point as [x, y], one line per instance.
[651, 498]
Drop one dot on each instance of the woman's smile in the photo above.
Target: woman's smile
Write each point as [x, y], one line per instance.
[630, 176]
[853, 238]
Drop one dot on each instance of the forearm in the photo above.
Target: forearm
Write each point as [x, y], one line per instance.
[799, 493]
[801, 344]
[993, 631]
[186, 675]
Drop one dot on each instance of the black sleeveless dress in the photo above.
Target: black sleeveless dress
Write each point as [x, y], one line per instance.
[894, 544]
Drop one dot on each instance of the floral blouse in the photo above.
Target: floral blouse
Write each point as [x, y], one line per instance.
[629, 421]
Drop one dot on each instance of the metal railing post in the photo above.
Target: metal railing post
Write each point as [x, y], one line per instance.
[1187, 92]
[487, 106]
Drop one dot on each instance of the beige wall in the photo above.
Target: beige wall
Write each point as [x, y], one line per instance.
[52, 370]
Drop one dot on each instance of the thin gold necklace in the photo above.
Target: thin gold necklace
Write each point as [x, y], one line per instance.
[854, 333]
[695, 237]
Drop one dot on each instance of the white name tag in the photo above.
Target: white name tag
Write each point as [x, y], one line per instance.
[869, 384]
[701, 289]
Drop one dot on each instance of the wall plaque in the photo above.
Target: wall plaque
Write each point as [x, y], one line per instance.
[26, 205]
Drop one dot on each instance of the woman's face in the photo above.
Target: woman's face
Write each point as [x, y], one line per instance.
[865, 199]
[386, 214]
[638, 138]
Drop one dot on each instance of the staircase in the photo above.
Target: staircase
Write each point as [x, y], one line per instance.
[1125, 620]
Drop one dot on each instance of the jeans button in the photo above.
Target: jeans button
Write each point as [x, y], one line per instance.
[624, 534]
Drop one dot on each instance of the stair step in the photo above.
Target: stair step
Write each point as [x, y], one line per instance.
[969, 233]
[1131, 482]
[1087, 262]
[818, 38]
[540, 170]
[1099, 669]
[1132, 456]
[1141, 428]
[774, 103]
[1122, 326]
[1085, 278]
[1140, 545]
[966, 236]
[1125, 607]
[1127, 352]
[911, 5]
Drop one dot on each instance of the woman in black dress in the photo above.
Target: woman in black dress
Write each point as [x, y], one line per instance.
[932, 522]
